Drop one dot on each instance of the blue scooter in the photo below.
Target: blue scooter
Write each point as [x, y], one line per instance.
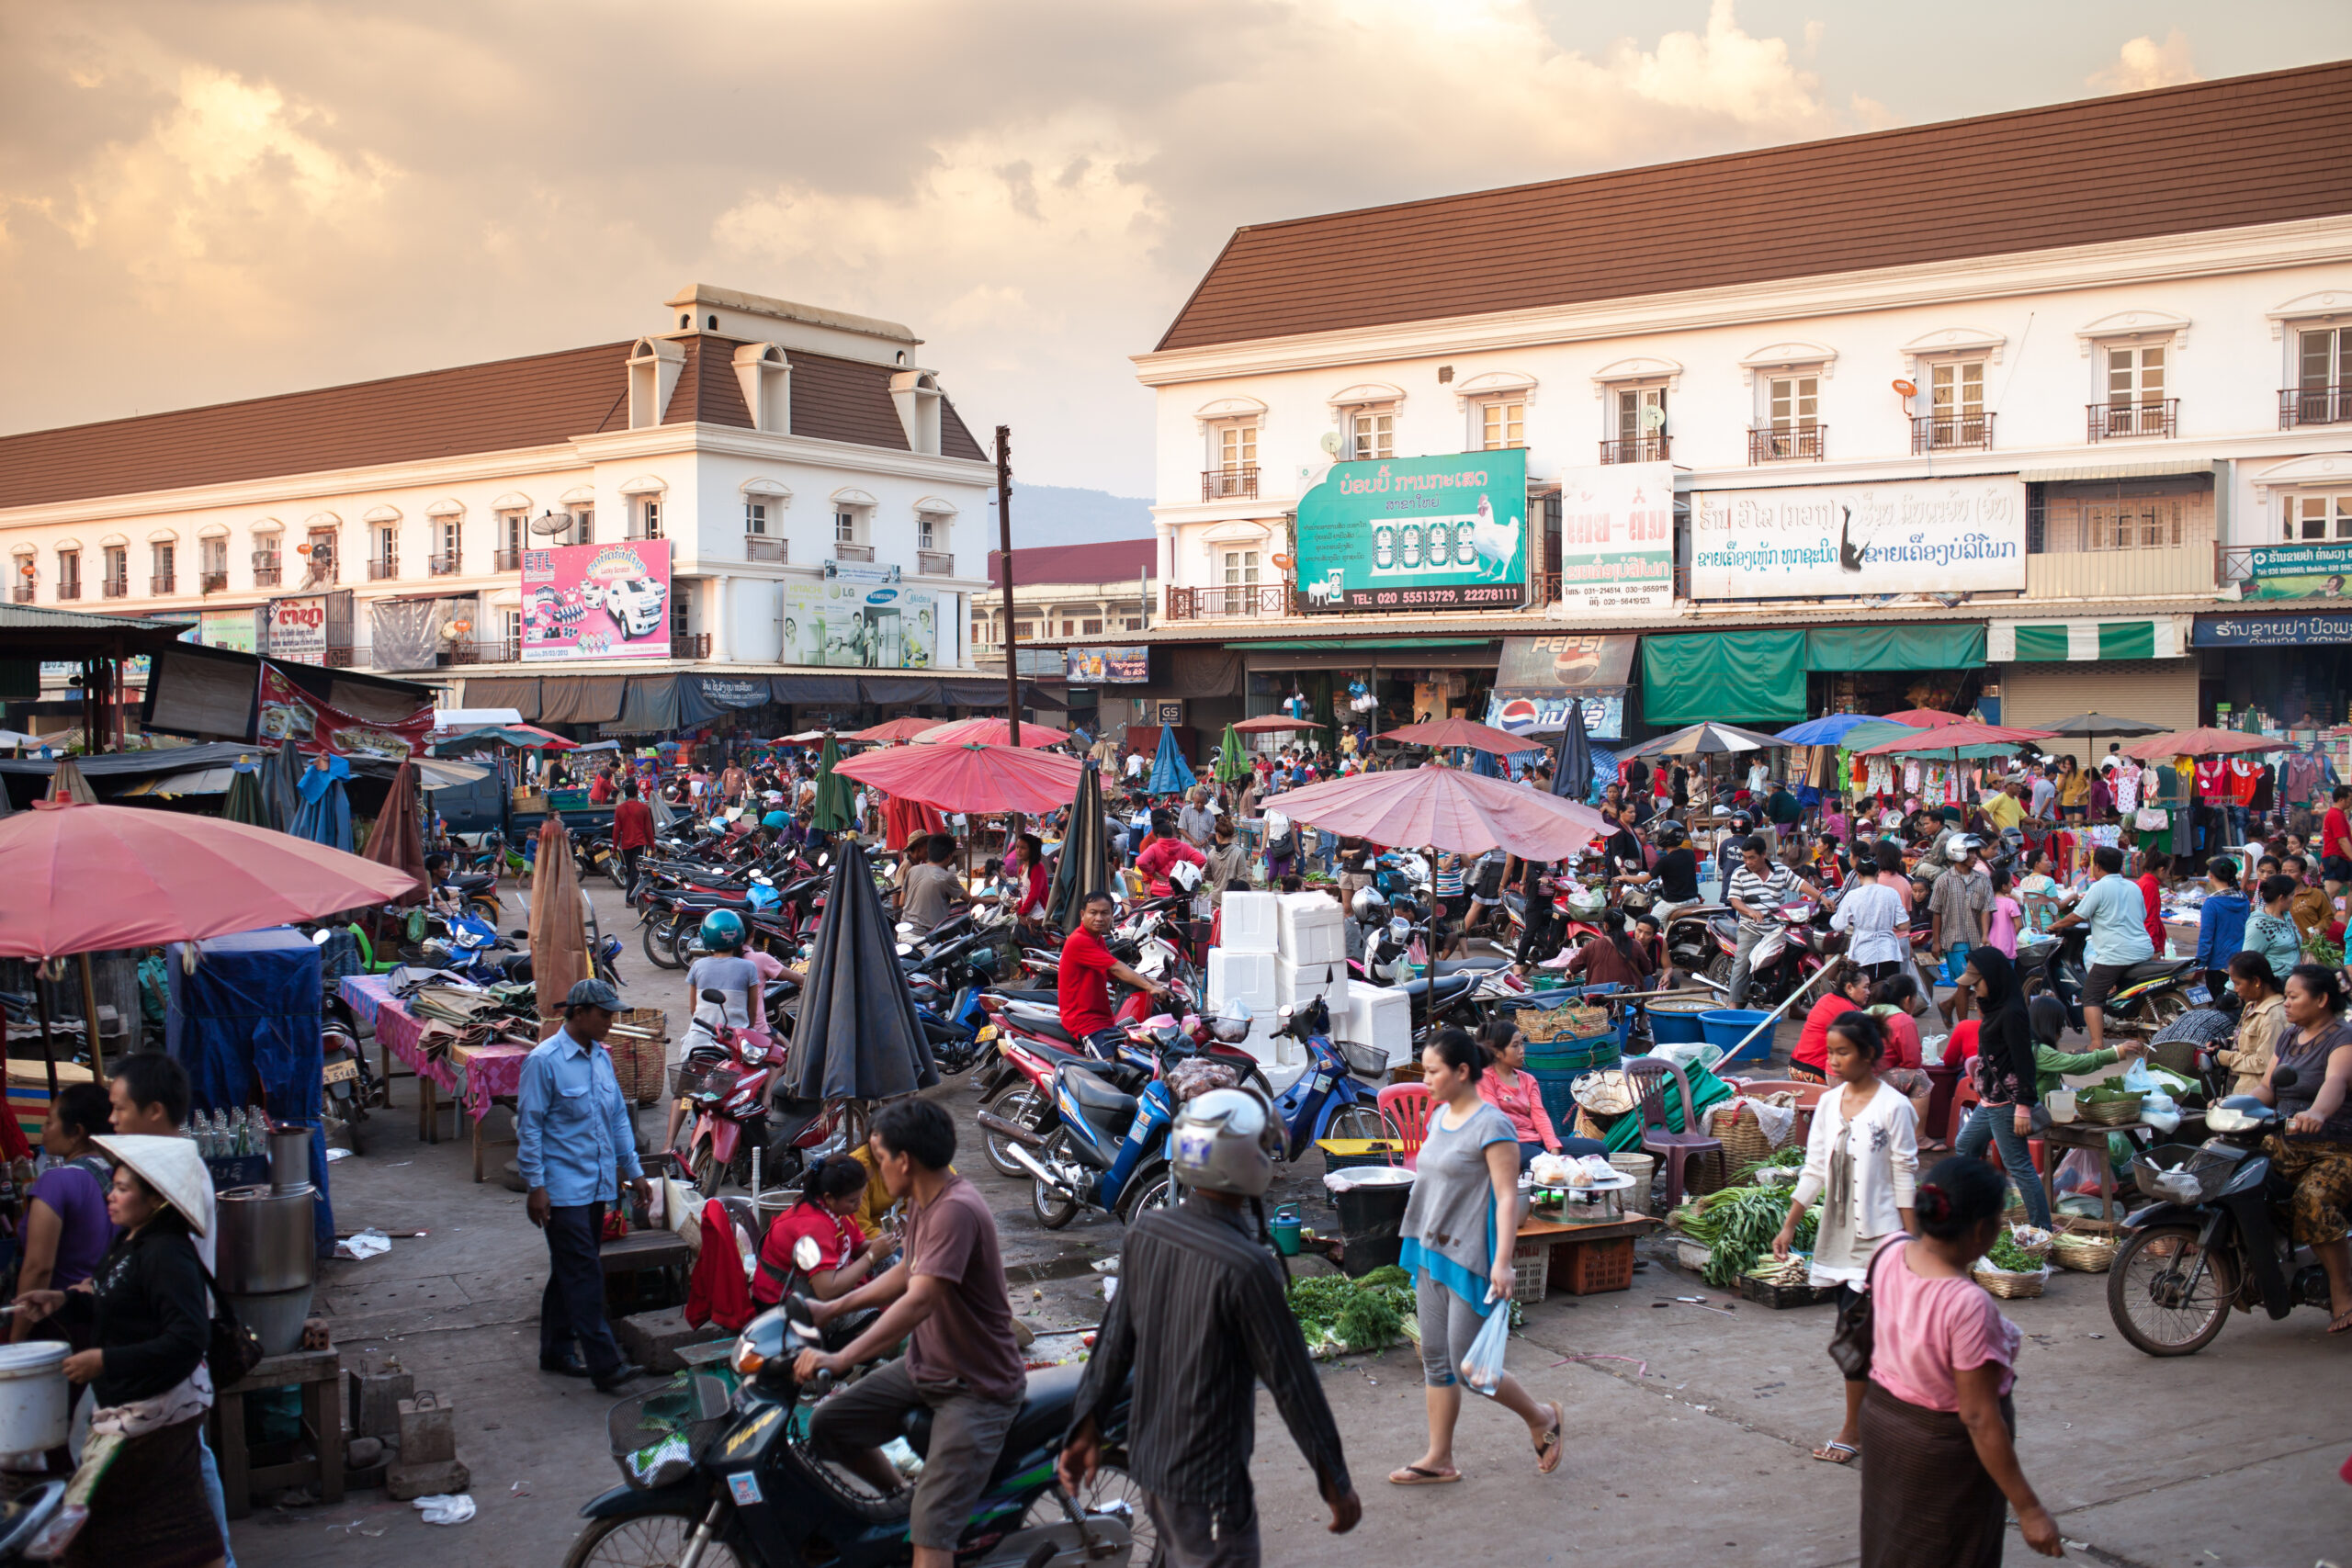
[1109, 1152]
[1329, 1100]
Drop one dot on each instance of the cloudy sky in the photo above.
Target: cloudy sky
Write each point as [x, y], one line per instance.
[201, 201]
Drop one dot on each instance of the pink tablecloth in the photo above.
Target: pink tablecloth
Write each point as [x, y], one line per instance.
[493, 1072]
[488, 1071]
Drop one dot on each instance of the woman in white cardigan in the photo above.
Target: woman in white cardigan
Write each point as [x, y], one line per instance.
[1862, 1161]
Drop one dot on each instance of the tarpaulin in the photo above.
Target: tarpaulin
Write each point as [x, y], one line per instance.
[1756, 676]
[701, 698]
[1844, 649]
[286, 710]
[519, 692]
[581, 699]
[406, 633]
[884, 691]
[649, 707]
[247, 1022]
[824, 691]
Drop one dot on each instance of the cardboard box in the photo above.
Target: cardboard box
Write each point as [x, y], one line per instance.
[1249, 923]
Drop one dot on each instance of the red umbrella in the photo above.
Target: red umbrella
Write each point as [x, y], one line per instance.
[1445, 809]
[1276, 724]
[90, 878]
[990, 732]
[1461, 732]
[899, 729]
[2205, 742]
[549, 739]
[971, 777]
[1954, 735]
[1926, 718]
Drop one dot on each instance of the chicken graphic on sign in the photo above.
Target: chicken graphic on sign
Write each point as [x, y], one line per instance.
[1497, 543]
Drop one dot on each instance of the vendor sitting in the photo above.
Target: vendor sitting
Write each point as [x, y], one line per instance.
[2313, 1150]
[830, 1192]
[1508, 1086]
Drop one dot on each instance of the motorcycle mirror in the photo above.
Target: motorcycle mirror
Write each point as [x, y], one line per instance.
[520, 935]
[715, 996]
[805, 1255]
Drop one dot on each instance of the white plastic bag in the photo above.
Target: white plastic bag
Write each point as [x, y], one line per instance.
[2136, 1078]
[444, 1507]
[1482, 1365]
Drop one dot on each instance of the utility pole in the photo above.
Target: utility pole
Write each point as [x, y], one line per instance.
[1004, 555]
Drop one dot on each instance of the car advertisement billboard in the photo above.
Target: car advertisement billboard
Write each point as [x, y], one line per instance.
[861, 619]
[1446, 533]
[596, 600]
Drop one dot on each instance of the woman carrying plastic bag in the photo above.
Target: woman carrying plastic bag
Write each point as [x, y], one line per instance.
[1457, 1227]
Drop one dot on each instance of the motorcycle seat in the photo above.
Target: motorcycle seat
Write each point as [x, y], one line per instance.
[1102, 1101]
[2156, 969]
[1470, 965]
[1448, 986]
[1043, 1418]
[470, 883]
[1035, 1018]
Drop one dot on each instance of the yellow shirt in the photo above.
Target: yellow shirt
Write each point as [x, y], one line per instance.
[2003, 811]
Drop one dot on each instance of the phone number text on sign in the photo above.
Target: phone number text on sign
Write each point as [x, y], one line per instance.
[1508, 595]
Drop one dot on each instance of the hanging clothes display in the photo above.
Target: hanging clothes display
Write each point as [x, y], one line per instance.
[2125, 782]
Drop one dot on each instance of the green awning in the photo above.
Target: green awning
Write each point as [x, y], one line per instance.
[1751, 677]
[1845, 649]
[2082, 641]
[1357, 644]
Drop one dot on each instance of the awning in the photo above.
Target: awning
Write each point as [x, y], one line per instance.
[581, 699]
[1843, 648]
[969, 693]
[894, 691]
[2118, 471]
[1358, 644]
[520, 693]
[649, 706]
[2064, 642]
[1753, 676]
[701, 698]
[824, 691]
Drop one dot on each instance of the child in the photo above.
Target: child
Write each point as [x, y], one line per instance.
[2001, 926]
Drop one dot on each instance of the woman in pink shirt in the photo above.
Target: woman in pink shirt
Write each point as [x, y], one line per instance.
[1508, 1086]
[1940, 1468]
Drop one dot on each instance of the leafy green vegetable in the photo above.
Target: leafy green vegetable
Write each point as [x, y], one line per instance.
[1787, 1158]
[1386, 1275]
[1336, 1313]
[1737, 1225]
[2005, 1254]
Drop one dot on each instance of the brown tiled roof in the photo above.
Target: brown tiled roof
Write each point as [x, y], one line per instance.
[2210, 156]
[1111, 561]
[707, 392]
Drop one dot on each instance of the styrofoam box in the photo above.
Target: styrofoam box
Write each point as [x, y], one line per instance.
[1247, 977]
[1380, 1017]
[1251, 922]
[1295, 984]
[1296, 912]
[1315, 945]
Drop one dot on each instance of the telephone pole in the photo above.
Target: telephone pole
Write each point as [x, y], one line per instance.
[1004, 555]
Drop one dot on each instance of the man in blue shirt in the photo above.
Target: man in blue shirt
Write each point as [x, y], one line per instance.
[577, 1139]
[2117, 918]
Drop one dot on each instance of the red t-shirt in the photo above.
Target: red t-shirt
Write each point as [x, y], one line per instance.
[599, 790]
[632, 826]
[1083, 987]
[2151, 900]
[1962, 1043]
[2335, 833]
[1813, 1044]
[1901, 1032]
[2213, 779]
[836, 1238]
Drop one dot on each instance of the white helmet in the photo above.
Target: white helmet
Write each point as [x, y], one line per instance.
[1232, 1024]
[1225, 1142]
[1184, 876]
[1369, 903]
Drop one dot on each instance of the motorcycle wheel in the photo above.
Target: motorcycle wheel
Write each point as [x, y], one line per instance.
[1023, 1106]
[482, 909]
[685, 944]
[1052, 1213]
[1113, 1490]
[2142, 1291]
[1154, 1189]
[657, 944]
[2166, 1007]
[1357, 1122]
[352, 1117]
[1719, 969]
[708, 1174]
[648, 1541]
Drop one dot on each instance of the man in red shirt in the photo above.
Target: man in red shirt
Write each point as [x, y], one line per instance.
[1083, 986]
[632, 829]
[600, 788]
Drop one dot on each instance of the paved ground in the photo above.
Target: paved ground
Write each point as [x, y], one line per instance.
[1688, 1428]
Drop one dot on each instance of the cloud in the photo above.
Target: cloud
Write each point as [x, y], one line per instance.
[2143, 64]
[283, 193]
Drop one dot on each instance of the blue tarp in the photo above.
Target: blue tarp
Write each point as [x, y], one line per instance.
[1169, 772]
[247, 1022]
[326, 814]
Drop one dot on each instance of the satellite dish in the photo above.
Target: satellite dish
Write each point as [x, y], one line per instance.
[1653, 416]
[1330, 444]
[1906, 389]
[548, 523]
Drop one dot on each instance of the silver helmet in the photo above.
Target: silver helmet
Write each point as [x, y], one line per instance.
[1369, 903]
[1225, 1142]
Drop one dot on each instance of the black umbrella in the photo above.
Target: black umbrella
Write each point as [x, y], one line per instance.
[1080, 871]
[1572, 774]
[857, 1036]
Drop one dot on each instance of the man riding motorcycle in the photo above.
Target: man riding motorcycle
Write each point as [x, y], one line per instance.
[1082, 983]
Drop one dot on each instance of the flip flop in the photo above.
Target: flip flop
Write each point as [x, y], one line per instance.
[1836, 1452]
[1414, 1475]
[1548, 1447]
[2342, 1324]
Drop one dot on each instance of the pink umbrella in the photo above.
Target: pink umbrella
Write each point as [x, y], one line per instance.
[905, 728]
[1276, 724]
[990, 732]
[1445, 809]
[2207, 742]
[90, 878]
[1926, 718]
[1954, 735]
[1461, 732]
[971, 777]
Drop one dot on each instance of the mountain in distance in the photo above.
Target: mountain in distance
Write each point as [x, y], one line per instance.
[1061, 514]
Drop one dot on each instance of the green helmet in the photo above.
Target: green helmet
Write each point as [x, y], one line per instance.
[722, 931]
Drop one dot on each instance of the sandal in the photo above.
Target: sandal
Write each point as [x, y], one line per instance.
[1548, 1447]
[1414, 1475]
[2340, 1323]
[1836, 1452]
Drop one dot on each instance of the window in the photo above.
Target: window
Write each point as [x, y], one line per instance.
[69, 574]
[649, 518]
[322, 556]
[2153, 524]
[1637, 431]
[1133, 623]
[2315, 517]
[117, 565]
[1795, 403]
[163, 553]
[1025, 631]
[386, 562]
[755, 517]
[584, 525]
[513, 529]
[2135, 375]
[1241, 580]
[844, 528]
[926, 530]
[2322, 390]
[1090, 628]
[1502, 425]
[213, 561]
[445, 560]
[1371, 433]
[510, 632]
[1237, 446]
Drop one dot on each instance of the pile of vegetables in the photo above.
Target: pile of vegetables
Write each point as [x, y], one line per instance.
[1338, 1314]
[1738, 1224]
[2005, 1254]
[1790, 1157]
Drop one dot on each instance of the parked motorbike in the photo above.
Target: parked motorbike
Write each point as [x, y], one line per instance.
[732, 1077]
[1329, 1100]
[2213, 1239]
[2156, 992]
[1109, 1154]
[349, 1085]
[1784, 960]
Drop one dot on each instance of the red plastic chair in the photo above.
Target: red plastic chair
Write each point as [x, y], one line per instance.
[1406, 1108]
[1672, 1149]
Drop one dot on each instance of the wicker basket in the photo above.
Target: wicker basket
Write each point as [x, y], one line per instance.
[2110, 1112]
[637, 1042]
[2012, 1287]
[2024, 1237]
[1742, 1134]
[1574, 1021]
[2083, 1251]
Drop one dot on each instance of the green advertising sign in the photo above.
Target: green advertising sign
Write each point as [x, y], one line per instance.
[1417, 534]
[2314, 570]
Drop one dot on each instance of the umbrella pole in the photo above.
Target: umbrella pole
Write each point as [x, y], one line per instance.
[48, 1045]
[90, 1011]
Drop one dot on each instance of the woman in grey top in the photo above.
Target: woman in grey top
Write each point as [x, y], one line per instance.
[1465, 1201]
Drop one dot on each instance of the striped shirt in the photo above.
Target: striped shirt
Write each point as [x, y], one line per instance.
[1763, 893]
[1200, 1318]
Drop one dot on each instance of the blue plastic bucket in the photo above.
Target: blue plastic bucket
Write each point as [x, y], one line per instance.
[1676, 1023]
[1575, 1055]
[1726, 1027]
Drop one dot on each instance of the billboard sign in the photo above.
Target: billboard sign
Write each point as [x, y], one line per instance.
[2270, 631]
[2296, 571]
[1604, 715]
[1959, 535]
[229, 628]
[596, 600]
[1107, 666]
[858, 622]
[289, 712]
[1617, 538]
[296, 629]
[1446, 533]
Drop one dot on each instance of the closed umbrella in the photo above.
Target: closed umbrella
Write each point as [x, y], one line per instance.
[832, 813]
[1170, 775]
[1573, 767]
[1081, 867]
[1232, 763]
[325, 816]
[243, 802]
[972, 778]
[281, 785]
[397, 837]
[557, 933]
[857, 1036]
[67, 784]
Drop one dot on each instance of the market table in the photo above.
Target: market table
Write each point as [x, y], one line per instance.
[493, 1077]
[400, 1032]
[1560, 1243]
[2062, 1135]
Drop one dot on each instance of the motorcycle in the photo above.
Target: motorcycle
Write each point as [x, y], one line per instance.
[347, 1082]
[731, 1076]
[2158, 991]
[1329, 1100]
[1109, 1152]
[710, 1478]
[2212, 1240]
[1783, 960]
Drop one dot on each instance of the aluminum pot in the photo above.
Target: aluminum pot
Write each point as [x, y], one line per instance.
[267, 1245]
[34, 1399]
[275, 1319]
[289, 1156]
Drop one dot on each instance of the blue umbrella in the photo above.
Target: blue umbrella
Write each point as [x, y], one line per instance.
[1483, 764]
[1827, 730]
[326, 814]
[1169, 772]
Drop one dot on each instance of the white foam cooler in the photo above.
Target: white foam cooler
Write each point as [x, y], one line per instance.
[1309, 929]
[1298, 984]
[1251, 922]
[1246, 978]
[1380, 1017]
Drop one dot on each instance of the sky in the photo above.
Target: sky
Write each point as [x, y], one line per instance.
[206, 201]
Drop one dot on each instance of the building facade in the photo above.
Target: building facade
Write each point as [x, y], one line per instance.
[2034, 401]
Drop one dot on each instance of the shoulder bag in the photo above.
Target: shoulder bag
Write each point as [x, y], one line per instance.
[1850, 1342]
[233, 1350]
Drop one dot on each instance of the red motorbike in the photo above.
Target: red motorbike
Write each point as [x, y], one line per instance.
[734, 1077]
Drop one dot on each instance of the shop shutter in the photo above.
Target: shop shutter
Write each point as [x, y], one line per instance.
[2161, 691]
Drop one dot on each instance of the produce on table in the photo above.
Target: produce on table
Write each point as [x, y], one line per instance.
[1737, 1225]
[1786, 1158]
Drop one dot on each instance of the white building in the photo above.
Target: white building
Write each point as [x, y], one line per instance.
[763, 439]
[2123, 326]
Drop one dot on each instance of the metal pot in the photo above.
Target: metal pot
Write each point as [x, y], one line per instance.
[289, 1156]
[265, 1245]
[275, 1319]
[34, 1399]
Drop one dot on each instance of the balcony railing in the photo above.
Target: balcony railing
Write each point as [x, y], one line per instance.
[767, 548]
[2187, 570]
[21, 595]
[213, 582]
[161, 585]
[321, 574]
[497, 651]
[852, 552]
[1951, 433]
[1805, 443]
[347, 658]
[443, 564]
[1221, 484]
[378, 570]
[2315, 405]
[267, 570]
[934, 563]
[506, 560]
[70, 590]
[1639, 449]
[690, 645]
[1257, 600]
[2134, 419]
[116, 588]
